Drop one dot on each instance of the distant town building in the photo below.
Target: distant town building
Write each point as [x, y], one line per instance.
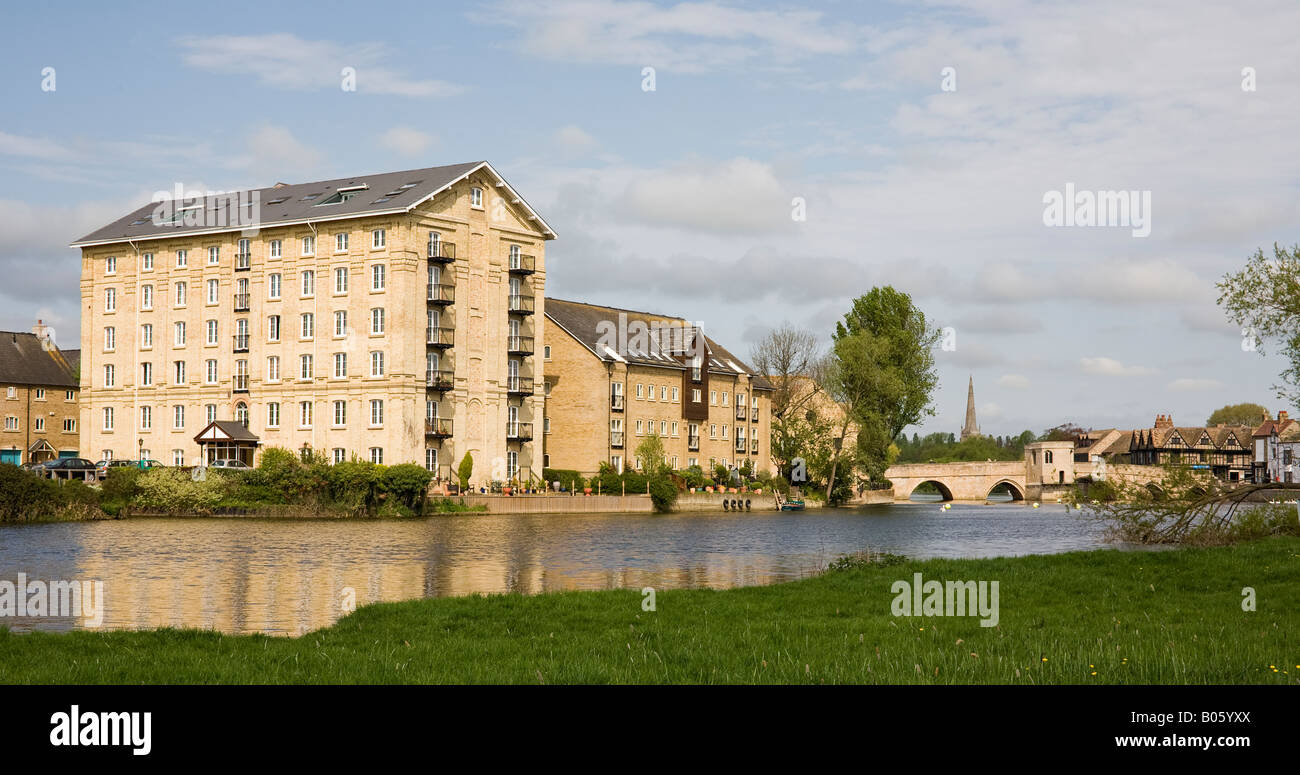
[38, 397]
[1224, 450]
[970, 429]
[1276, 447]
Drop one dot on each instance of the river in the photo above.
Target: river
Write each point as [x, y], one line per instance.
[290, 576]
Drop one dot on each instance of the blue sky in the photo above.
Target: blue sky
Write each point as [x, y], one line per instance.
[679, 200]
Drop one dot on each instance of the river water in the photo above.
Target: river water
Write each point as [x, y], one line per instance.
[290, 576]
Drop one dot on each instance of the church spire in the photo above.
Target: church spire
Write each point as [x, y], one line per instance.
[970, 428]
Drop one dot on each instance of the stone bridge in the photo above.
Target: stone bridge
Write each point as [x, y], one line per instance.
[959, 481]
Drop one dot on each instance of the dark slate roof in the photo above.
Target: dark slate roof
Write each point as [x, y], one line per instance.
[288, 203]
[232, 428]
[23, 361]
[583, 321]
[73, 357]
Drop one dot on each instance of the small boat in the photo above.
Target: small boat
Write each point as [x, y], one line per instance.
[792, 506]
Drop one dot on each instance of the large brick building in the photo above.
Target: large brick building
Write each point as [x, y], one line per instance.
[38, 397]
[387, 317]
[616, 376]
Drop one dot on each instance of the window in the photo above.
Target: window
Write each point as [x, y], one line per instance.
[663, 392]
[11, 423]
[309, 246]
[377, 277]
[273, 415]
[339, 455]
[273, 328]
[178, 416]
[148, 262]
[713, 397]
[40, 394]
[639, 426]
[674, 429]
[696, 366]
[1047, 456]
[308, 325]
[241, 413]
[146, 336]
[210, 412]
[376, 412]
[146, 297]
[431, 459]
[713, 431]
[146, 418]
[340, 365]
[110, 339]
[179, 337]
[273, 368]
[650, 392]
[377, 364]
[476, 197]
[210, 372]
[340, 323]
[212, 291]
[274, 247]
[341, 243]
[182, 258]
[617, 462]
[304, 371]
[377, 320]
[180, 294]
[178, 457]
[377, 239]
[110, 299]
[110, 375]
[340, 413]
[146, 374]
[546, 352]
[639, 390]
[304, 414]
[308, 283]
[675, 396]
[273, 286]
[724, 399]
[724, 430]
[179, 369]
[377, 455]
[546, 425]
[214, 254]
[696, 395]
[69, 426]
[341, 280]
[108, 418]
[663, 427]
[110, 265]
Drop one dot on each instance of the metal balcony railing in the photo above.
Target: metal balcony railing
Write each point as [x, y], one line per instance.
[442, 293]
[519, 431]
[243, 262]
[437, 427]
[241, 343]
[740, 413]
[439, 379]
[521, 304]
[519, 386]
[240, 383]
[522, 264]
[439, 336]
[441, 251]
[519, 345]
[693, 443]
[740, 444]
[754, 414]
[616, 402]
[616, 439]
[242, 302]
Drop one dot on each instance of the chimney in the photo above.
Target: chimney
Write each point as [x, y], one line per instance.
[1281, 416]
[44, 335]
[1164, 421]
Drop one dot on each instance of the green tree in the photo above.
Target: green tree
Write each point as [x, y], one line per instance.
[1238, 414]
[464, 470]
[651, 453]
[1264, 299]
[884, 373]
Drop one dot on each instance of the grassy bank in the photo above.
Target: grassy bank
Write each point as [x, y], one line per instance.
[1086, 617]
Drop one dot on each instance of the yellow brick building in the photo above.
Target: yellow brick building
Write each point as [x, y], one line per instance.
[386, 317]
[38, 397]
[616, 376]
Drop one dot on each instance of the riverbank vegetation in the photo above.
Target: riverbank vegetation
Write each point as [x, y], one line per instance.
[1100, 617]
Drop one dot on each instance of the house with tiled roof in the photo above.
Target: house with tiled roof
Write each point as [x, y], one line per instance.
[615, 377]
[1275, 448]
[1224, 450]
[38, 397]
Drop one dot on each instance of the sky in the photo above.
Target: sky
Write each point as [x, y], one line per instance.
[787, 159]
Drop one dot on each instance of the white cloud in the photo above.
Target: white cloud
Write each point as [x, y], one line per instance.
[1109, 367]
[572, 139]
[274, 150]
[737, 195]
[406, 140]
[1014, 381]
[1193, 383]
[288, 62]
[33, 147]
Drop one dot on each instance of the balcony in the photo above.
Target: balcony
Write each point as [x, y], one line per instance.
[519, 345]
[439, 336]
[754, 414]
[693, 443]
[521, 304]
[243, 262]
[616, 402]
[442, 293]
[519, 431]
[753, 447]
[439, 379]
[740, 444]
[240, 383]
[242, 302]
[241, 343]
[437, 427]
[442, 252]
[616, 439]
[522, 265]
[519, 386]
[740, 413]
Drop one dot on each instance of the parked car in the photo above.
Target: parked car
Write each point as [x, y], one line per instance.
[230, 465]
[101, 468]
[69, 468]
[150, 463]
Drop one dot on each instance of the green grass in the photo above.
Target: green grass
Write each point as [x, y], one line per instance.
[1171, 617]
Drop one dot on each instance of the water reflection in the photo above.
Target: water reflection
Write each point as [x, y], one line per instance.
[287, 577]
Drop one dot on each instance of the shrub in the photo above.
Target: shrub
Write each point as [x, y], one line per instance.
[122, 484]
[171, 490]
[663, 493]
[355, 484]
[409, 484]
[24, 495]
[694, 477]
[464, 471]
[566, 477]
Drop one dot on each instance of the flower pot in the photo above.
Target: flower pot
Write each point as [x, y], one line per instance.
[692, 490]
[507, 490]
[586, 491]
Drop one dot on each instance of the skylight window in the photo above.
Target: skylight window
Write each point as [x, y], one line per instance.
[278, 200]
[310, 197]
[381, 199]
[343, 194]
[405, 186]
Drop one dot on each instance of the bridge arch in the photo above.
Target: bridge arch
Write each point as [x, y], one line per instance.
[1017, 493]
[945, 492]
